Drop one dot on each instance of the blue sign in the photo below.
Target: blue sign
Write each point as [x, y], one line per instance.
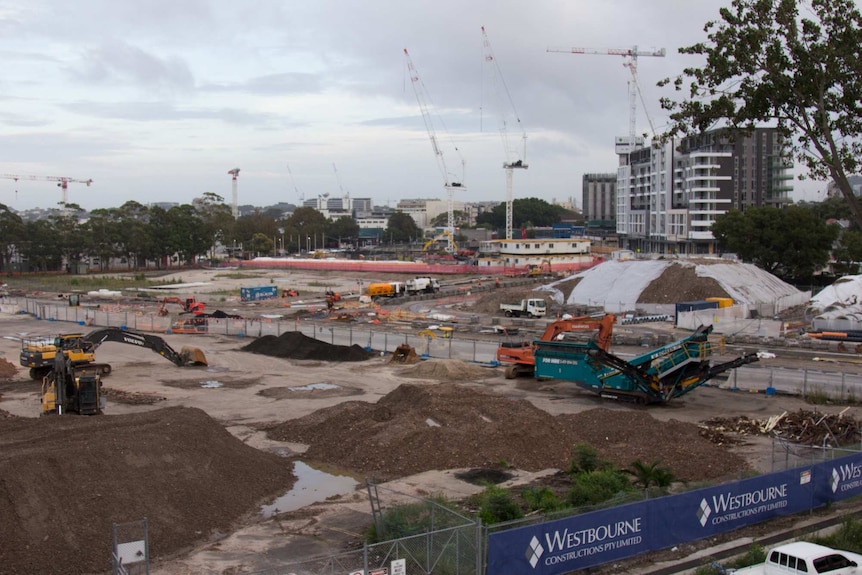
[591, 539]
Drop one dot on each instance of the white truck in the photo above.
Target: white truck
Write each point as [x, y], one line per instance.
[422, 285]
[528, 307]
[805, 558]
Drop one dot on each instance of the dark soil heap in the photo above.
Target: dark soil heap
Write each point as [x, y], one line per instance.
[64, 480]
[444, 426]
[294, 345]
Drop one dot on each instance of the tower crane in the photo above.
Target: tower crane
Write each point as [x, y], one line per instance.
[448, 182]
[516, 158]
[624, 144]
[62, 182]
[300, 194]
[234, 207]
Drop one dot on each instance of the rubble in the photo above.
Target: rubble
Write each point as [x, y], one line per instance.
[804, 427]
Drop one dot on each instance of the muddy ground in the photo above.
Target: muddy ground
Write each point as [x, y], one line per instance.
[199, 450]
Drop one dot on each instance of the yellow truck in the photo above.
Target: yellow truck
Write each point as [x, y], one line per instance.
[385, 289]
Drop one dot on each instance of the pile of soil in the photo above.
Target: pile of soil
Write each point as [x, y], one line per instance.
[680, 282]
[7, 369]
[64, 481]
[419, 427]
[447, 370]
[295, 345]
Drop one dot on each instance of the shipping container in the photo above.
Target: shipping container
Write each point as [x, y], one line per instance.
[258, 293]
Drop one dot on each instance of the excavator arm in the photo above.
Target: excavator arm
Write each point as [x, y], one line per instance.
[187, 356]
[520, 356]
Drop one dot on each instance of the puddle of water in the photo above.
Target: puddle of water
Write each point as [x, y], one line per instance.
[211, 384]
[313, 386]
[215, 369]
[311, 486]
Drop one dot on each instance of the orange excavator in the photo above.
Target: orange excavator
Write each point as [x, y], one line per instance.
[189, 305]
[519, 355]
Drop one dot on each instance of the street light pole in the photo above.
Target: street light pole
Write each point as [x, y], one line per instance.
[307, 245]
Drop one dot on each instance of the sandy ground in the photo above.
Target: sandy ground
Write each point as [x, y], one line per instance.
[245, 392]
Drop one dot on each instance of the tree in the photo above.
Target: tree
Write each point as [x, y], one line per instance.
[442, 220]
[767, 63]
[343, 229]
[11, 236]
[401, 228]
[791, 243]
[848, 253]
[526, 212]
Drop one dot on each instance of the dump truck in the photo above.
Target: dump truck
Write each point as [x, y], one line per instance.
[657, 376]
[534, 307]
[421, 285]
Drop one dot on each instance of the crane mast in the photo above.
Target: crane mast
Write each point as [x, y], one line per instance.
[624, 145]
[234, 208]
[448, 183]
[514, 159]
[62, 182]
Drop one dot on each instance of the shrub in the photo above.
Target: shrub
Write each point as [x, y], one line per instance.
[496, 505]
[597, 486]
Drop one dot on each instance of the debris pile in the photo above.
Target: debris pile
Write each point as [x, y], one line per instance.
[804, 427]
[295, 345]
[421, 427]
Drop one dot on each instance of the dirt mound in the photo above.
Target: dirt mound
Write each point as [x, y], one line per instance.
[679, 283]
[417, 428]
[295, 345]
[66, 479]
[447, 370]
[7, 369]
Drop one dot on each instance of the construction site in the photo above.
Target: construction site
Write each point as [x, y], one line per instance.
[204, 437]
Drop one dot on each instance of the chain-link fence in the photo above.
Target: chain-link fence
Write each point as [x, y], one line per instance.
[413, 536]
[789, 455]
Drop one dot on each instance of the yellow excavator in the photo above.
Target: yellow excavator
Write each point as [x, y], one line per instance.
[80, 351]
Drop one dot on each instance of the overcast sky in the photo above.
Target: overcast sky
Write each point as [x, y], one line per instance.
[157, 100]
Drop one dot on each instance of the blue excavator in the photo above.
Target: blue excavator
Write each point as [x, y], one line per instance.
[657, 376]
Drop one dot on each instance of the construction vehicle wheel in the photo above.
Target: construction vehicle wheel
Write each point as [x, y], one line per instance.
[106, 370]
[511, 371]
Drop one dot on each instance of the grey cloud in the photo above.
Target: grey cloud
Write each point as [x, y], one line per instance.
[118, 62]
[161, 111]
[272, 84]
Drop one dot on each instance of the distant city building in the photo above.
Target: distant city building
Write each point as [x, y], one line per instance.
[833, 191]
[598, 196]
[668, 196]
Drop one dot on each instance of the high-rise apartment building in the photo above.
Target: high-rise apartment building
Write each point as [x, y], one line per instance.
[598, 197]
[668, 196]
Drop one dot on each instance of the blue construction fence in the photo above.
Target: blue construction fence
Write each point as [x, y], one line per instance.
[608, 535]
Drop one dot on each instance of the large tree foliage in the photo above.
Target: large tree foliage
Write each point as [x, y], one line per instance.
[401, 228]
[792, 63]
[11, 232]
[792, 243]
[526, 212]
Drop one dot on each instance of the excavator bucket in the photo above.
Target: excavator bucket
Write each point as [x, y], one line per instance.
[193, 356]
[404, 354]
